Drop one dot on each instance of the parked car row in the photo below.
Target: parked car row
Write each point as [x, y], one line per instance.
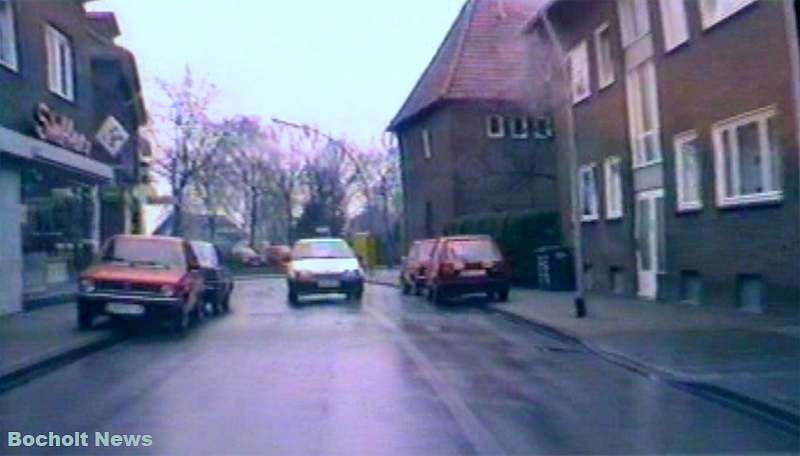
[451, 266]
[166, 279]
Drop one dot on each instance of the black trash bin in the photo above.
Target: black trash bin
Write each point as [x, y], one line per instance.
[555, 268]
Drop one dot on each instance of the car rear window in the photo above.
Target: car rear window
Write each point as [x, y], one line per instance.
[145, 253]
[322, 249]
[475, 250]
[424, 250]
[206, 254]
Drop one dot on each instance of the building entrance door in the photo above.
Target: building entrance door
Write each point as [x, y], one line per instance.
[649, 240]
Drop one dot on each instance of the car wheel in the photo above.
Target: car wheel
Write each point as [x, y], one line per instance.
[502, 295]
[294, 299]
[429, 293]
[85, 318]
[226, 303]
[180, 322]
[438, 296]
[418, 290]
[405, 286]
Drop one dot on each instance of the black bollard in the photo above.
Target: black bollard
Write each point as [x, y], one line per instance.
[580, 307]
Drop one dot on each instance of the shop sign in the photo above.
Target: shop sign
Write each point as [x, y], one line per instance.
[112, 135]
[59, 130]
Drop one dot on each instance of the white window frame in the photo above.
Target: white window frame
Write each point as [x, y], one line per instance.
[605, 69]
[711, 18]
[491, 132]
[674, 23]
[682, 203]
[427, 150]
[594, 204]
[629, 11]
[526, 128]
[59, 62]
[8, 45]
[613, 187]
[638, 136]
[761, 117]
[578, 58]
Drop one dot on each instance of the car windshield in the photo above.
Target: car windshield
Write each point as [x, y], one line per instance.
[206, 254]
[474, 250]
[321, 249]
[424, 250]
[144, 253]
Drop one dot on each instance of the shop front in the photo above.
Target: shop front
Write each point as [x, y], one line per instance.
[49, 198]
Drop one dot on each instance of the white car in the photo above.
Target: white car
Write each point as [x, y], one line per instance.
[322, 266]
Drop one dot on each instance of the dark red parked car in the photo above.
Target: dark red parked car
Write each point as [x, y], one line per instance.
[414, 270]
[143, 277]
[467, 264]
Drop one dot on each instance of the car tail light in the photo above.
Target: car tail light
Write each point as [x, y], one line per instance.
[451, 268]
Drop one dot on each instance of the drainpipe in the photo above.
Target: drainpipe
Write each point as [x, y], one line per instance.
[572, 152]
[794, 67]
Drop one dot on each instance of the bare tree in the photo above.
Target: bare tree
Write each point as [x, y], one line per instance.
[191, 137]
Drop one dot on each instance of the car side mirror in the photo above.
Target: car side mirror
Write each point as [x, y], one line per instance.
[194, 266]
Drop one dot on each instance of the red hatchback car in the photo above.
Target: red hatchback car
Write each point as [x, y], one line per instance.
[143, 277]
[414, 270]
[467, 264]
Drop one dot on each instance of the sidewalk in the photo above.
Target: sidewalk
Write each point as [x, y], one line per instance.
[744, 358]
[33, 340]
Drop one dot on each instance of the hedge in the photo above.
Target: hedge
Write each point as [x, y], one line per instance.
[518, 234]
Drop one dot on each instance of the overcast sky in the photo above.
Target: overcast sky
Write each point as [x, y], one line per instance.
[346, 65]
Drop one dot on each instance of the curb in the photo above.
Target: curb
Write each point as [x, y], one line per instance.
[27, 371]
[780, 417]
[785, 419]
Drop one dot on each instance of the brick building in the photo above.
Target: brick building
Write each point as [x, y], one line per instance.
[686, 129]
[70, 109]
[467, 138]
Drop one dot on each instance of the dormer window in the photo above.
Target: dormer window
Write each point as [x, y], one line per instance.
[520, 127]
[495, 127]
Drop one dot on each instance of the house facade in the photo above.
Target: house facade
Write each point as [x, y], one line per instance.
[686, 131]
[467, 139]
[57, 155]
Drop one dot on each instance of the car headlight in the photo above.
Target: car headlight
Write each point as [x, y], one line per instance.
[303, 275]
[168, 290]
[87, 285]
[352, 274]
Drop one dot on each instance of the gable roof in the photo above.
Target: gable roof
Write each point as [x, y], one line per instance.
[481, 58]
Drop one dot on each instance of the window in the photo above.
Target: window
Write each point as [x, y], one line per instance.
[8, 40]
[643, 114]
[426, 144]
[747, 158]
[634, 20]
[688, 171]
[673, 19]
[495, 127]
[605, 63]
[588, 193]
[578, 62]
[613, 181]
[60, 69]
[714, 11]
[520, 127]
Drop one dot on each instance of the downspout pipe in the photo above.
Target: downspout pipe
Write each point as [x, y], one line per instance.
[572, 152]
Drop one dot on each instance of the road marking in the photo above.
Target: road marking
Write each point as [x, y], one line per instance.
[476, 433]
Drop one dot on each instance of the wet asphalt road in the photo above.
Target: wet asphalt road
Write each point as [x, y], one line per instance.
[392, 376]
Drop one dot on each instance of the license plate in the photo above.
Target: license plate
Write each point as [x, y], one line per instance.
[119, 308]
[473, 273]
[328, 284]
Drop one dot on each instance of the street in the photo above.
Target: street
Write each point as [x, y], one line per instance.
[394, 375]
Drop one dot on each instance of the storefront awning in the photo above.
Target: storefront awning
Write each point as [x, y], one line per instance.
[28, 148]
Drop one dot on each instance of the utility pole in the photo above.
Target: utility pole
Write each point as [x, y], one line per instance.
[572, 152]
